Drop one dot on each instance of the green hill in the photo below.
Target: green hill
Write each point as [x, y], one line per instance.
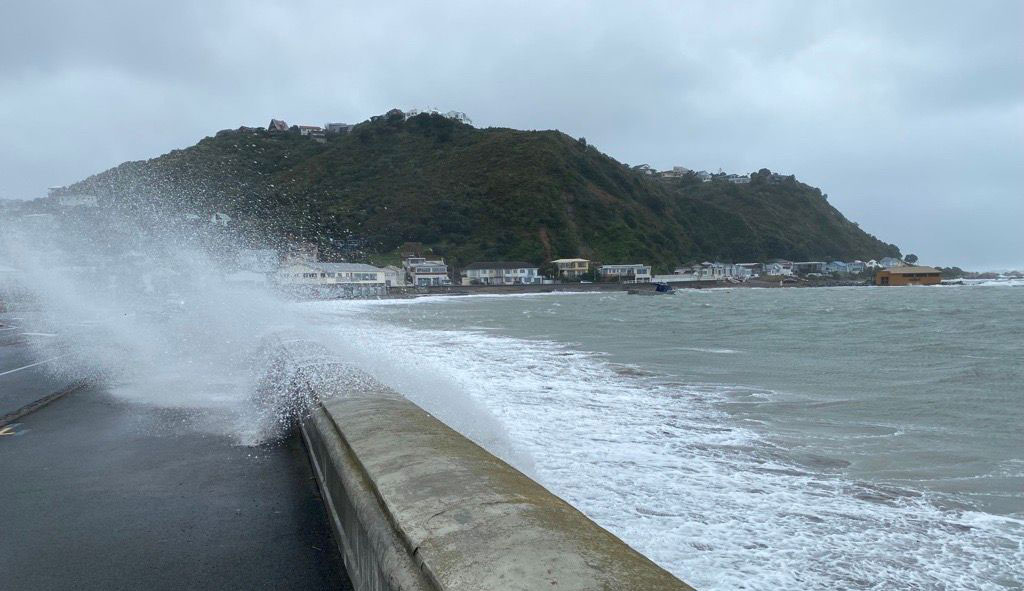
[482, 194]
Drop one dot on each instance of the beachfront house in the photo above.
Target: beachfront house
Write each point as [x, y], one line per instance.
[328, 274]
[837, 267]
[626, 273]
[906, 275]
[890, 262]
[805, 267]
[394, 276]
[571, 268]
[778, 269]
[708, 271]
[501, 273]
[423, 272]
[856, 267]
[751, 269]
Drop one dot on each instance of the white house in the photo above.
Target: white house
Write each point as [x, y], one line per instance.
[327, 274]
[890, 262]
[394, 276]
[501, 273]
[837, 267]
[752, 269]
[809, 267]
[631, 273]
[708, 271]
[856, 267]
[778, 269]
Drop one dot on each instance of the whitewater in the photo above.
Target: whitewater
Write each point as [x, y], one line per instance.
[590, 402]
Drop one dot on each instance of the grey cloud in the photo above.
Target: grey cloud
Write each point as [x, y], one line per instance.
[897, 110]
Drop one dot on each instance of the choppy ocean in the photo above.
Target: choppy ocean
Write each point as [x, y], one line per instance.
[847, 438]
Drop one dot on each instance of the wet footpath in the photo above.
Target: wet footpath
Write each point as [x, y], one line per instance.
[100, 494]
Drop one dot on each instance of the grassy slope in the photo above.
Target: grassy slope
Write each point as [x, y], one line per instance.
[477, 194]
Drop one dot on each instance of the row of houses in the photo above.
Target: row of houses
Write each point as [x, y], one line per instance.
[315, 132]
[717, 271]
[421, 271]
[320, 133]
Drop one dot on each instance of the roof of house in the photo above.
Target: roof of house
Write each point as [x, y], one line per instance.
[571, 261]
[906, 270]
[345, 267]
[427, 264]
[501, 265]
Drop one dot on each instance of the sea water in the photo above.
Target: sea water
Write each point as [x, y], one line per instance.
[846, 438]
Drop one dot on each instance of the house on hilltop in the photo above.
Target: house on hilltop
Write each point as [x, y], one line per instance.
[338, 127]
[277, 125]
[314, 132]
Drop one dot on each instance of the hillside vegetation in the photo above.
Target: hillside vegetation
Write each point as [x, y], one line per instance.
[482, 194]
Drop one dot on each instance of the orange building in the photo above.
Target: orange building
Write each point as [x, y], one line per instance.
[909, 276]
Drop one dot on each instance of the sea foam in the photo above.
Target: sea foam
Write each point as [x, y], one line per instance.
[662, 466]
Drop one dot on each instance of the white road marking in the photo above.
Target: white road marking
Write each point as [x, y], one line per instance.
[31, 365]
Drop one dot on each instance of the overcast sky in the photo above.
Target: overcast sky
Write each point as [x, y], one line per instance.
[909, 115]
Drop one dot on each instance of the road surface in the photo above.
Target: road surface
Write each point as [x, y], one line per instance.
[96, 493]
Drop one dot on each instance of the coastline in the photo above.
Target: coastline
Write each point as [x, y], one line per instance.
[469, 290]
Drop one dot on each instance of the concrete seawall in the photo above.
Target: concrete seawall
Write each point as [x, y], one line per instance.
[418, 506]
